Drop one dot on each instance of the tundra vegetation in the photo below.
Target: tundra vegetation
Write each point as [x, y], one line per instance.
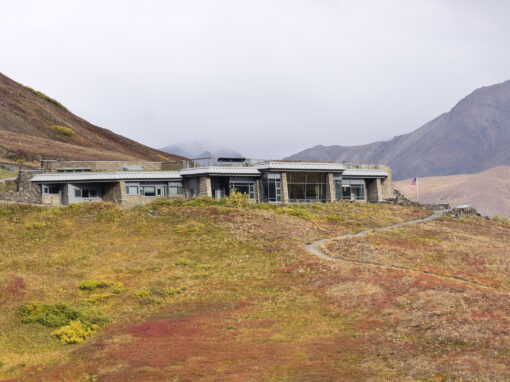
[63, 130]
[195, 289]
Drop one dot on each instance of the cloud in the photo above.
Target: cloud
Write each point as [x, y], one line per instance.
[266, 78]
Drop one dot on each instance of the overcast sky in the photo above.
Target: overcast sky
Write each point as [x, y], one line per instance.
[267, 78]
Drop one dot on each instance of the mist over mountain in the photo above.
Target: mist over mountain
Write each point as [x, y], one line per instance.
[199, 149]
[473, 136]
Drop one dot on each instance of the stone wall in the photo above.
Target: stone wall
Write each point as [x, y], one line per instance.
[387, 185]
[330, 187]
[285, 188]
[110, 166]
[205, 188]
[401, 200]
[374, 190]
[26, 191]
[115, 192]
[175, 165]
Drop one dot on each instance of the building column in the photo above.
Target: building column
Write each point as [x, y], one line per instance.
[387, 185]
[205, 188]
[330, 187]
[257, 190]
[374, 190]
[285, 188]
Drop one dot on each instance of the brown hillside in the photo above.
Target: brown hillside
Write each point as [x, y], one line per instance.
[25, 120]
[487, 191]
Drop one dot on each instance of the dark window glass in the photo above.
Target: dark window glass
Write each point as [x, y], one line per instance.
[85, 193]
[77, 193]
[92, 193]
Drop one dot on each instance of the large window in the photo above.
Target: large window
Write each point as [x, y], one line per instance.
[175, 189]
[271, 188]
[244, 187]
[51, 189]
[353, 189]
[306, 187]
[338, 187]
[148, 190]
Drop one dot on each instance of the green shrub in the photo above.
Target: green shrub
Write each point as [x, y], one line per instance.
[148, 295]
[191, 263]
[98, 298]
[300, 213]
[58, 314]
[74, 333]
[236, 199]
[501, 219]
[45, 97]
[66, 131]
[35, 225]
[94, 284]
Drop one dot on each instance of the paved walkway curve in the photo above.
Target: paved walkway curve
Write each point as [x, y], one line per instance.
[315, 249]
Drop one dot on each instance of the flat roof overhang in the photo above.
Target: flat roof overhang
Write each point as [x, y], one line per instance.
[106, 177]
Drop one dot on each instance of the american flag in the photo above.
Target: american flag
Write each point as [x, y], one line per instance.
[414, 181]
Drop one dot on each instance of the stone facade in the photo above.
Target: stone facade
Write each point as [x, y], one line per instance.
[174, 165]
[205, 188]
[388, 191]
[284, 188]
[115, 192]
[54, 165]
[258, 197]
[330, 187]
[374, 190]
[26, 191]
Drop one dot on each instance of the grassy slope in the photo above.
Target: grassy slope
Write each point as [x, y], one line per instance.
[256, 306]
[25, 120]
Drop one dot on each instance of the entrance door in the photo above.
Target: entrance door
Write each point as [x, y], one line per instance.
[160, 191]
[346, 192]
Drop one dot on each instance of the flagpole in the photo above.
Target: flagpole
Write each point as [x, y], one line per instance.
[417, 187]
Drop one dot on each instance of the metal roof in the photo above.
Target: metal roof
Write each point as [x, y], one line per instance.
[105, 176]
[378, 173]
[222, 170]
[293, 166]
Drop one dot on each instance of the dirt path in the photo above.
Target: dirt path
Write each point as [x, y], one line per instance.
[315, 249]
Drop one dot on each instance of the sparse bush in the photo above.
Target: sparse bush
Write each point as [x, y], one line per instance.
[35, 225]
[62, 130]
[148, 295]
[191, 264]
[45, 97]
[501, 219]
[94, 284]
[300, 213]
[191, 226]
[98, 298]
[58, 314]
[74, 333]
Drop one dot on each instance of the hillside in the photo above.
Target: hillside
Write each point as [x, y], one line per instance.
[487, 191]
[200, 290]
[472, 137]
[25, 119]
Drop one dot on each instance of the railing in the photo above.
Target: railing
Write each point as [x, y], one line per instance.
[249, 162]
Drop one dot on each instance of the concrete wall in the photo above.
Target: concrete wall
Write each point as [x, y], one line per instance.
[71, 198]
[52, 199]
[53, 166]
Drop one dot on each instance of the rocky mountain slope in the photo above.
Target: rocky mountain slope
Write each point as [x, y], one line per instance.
[201, 149]
[487, 191]
[474, 136]
[26, 118]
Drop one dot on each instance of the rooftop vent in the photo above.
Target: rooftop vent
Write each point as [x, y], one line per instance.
[133, 168]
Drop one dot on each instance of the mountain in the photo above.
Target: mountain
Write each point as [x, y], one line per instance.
[34, 126]
[487, 191]
[473, 136]
[198, 149]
